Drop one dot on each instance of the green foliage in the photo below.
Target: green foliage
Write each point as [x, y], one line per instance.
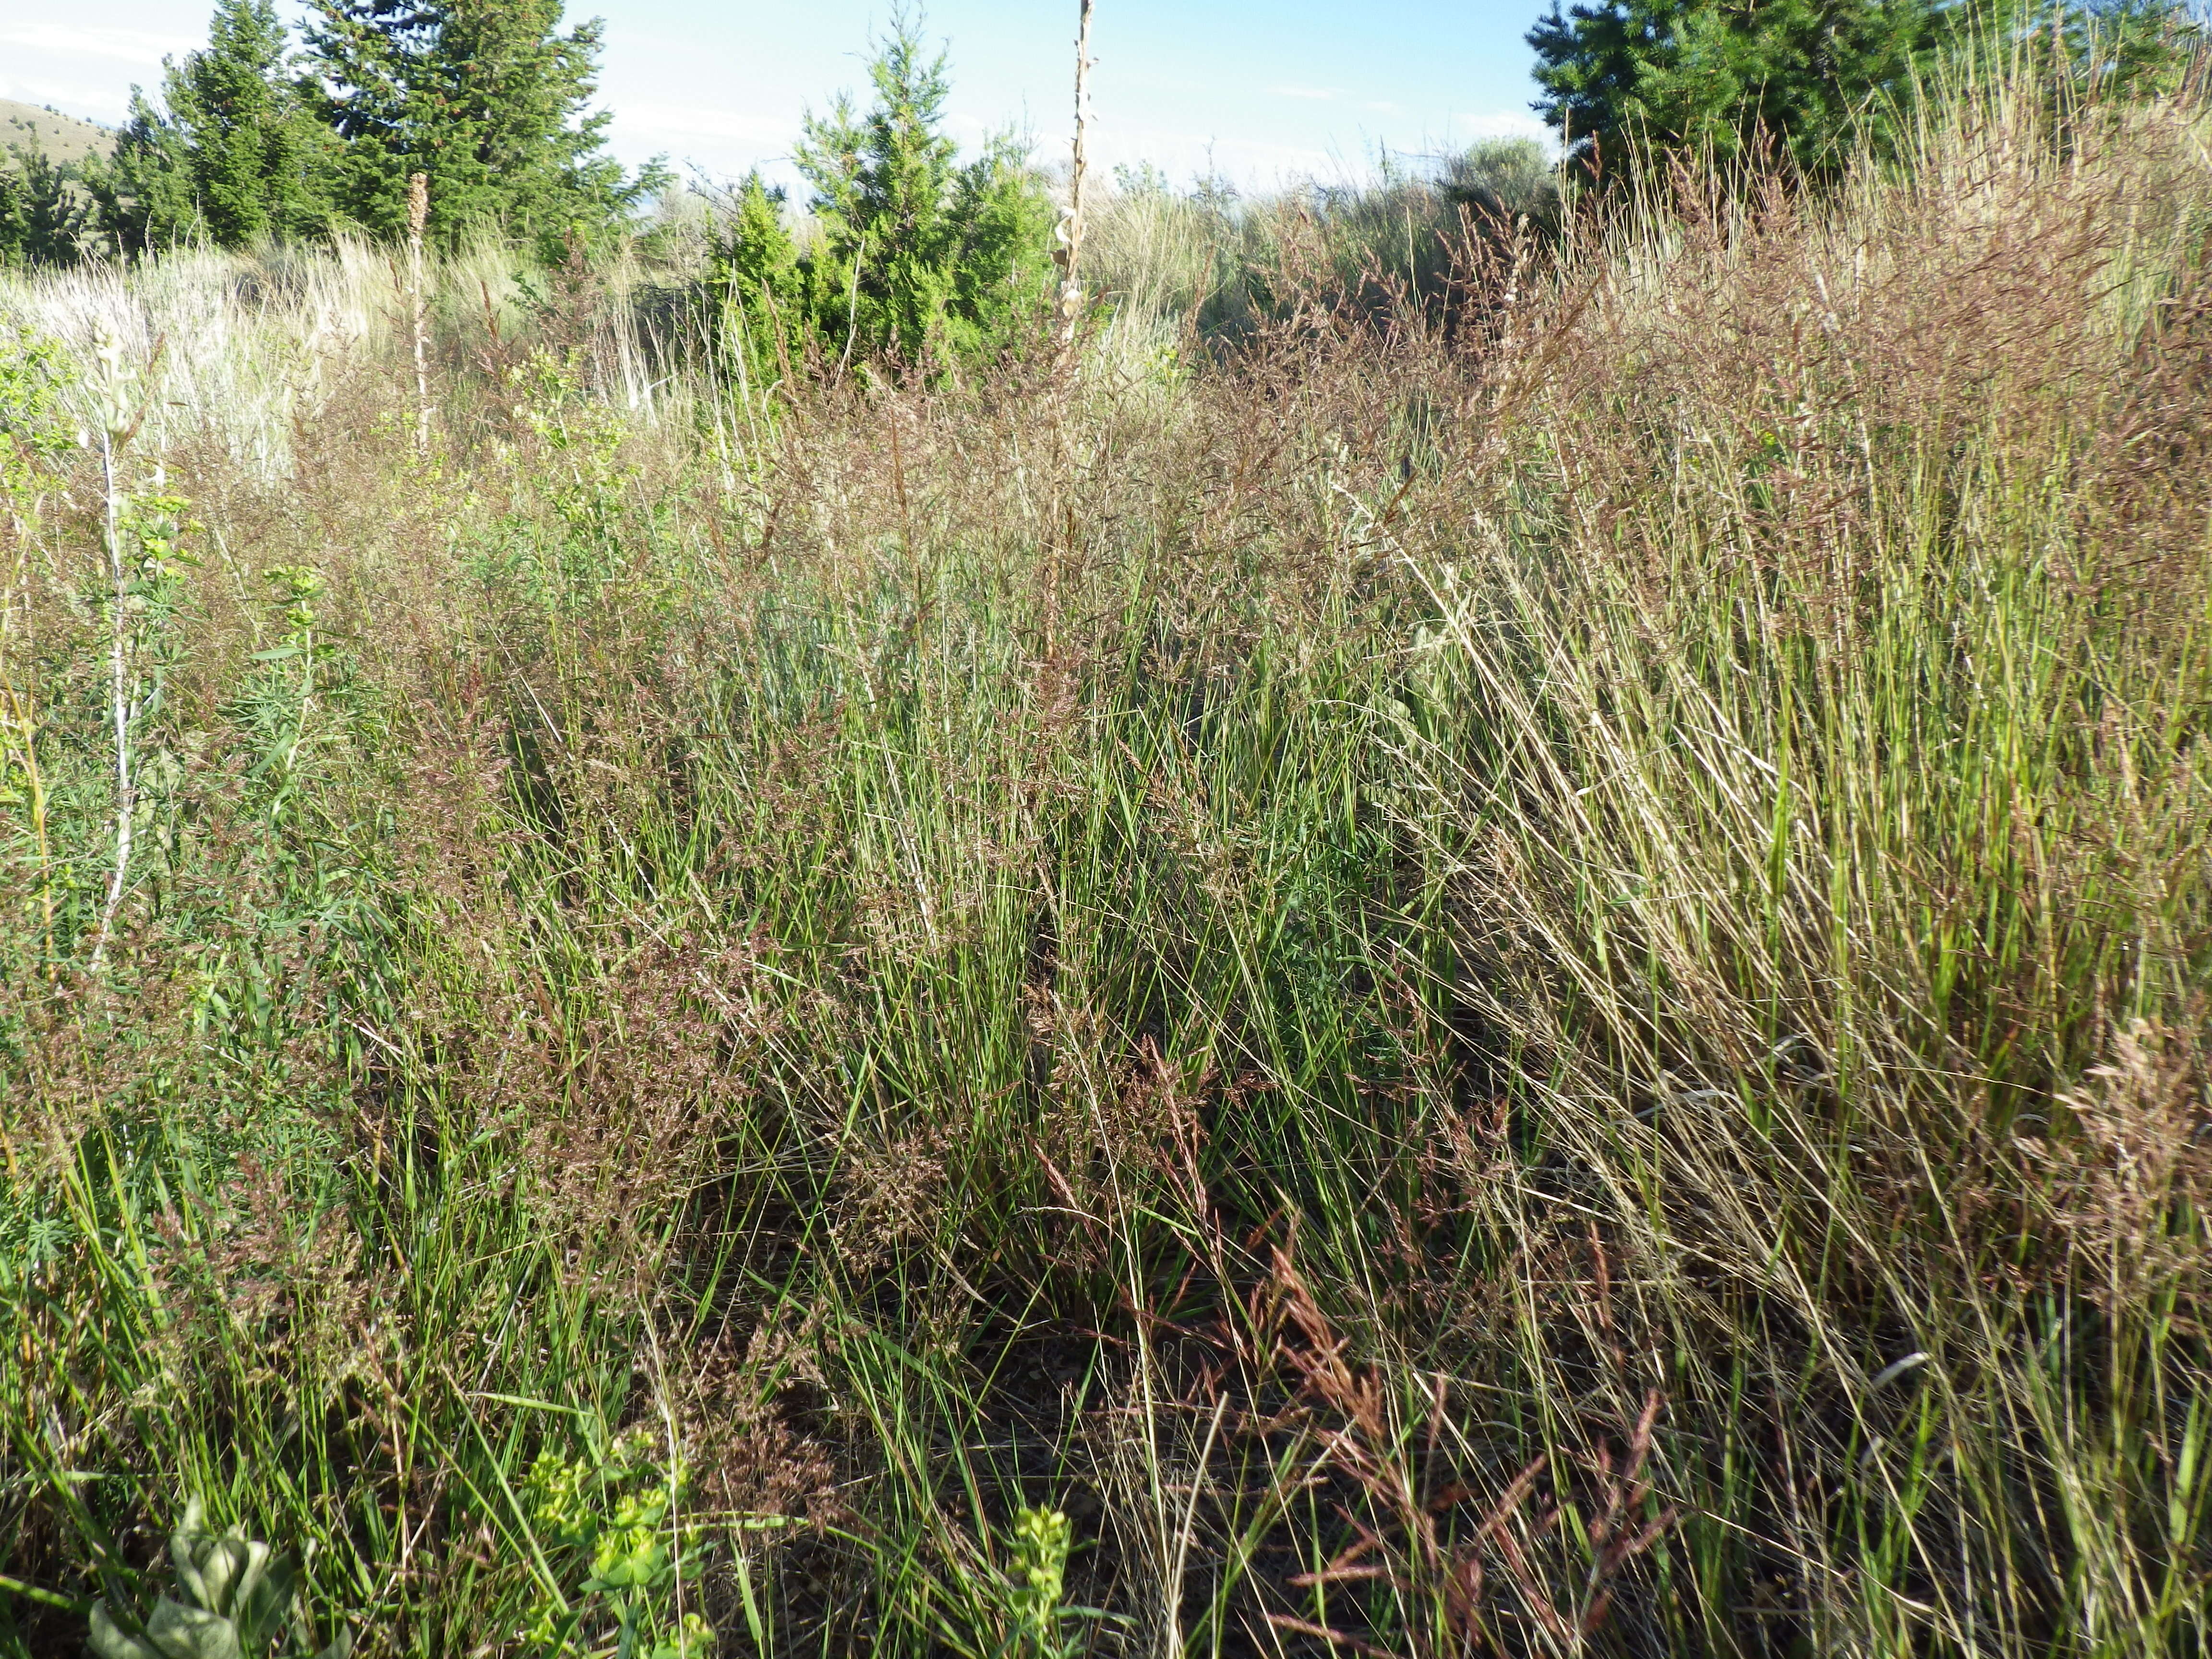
[921, 258]
[2123, 48]
[759, 258]
[1502, 177]
[1816, 76]
[760, 285]
[1712, 75]
[151, 531]
[240, 1601]
[608, 1524]
[44, 212]
[1039, 1541]
[234, 155]
[297, 584]
[36, 383]
[280, 707]
[251, 143]
[487, 97]
[145, 191]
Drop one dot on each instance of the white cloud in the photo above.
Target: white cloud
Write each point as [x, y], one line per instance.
[1504, 124]
[121, 46]
[702, 121]
[1319, 95]
[83, 99]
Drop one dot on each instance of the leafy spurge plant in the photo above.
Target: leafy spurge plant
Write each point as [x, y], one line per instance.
[297, 588]
[143, 590]
[1039, 1541]
[613, 1520]
[35, 431]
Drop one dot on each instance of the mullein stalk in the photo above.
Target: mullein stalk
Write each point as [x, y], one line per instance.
[418, 217]
[111, 435]
[1068, 256]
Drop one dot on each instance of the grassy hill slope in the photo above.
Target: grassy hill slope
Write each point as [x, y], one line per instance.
[63, 137]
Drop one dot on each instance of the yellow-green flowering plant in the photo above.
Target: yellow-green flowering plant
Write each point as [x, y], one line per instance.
[612, 1522]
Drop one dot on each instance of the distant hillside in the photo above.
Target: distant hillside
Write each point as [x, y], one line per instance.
[63, 137]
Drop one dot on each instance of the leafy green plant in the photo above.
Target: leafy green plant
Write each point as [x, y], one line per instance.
[238, 1599]
[149, 584]
[296, 587]
[36, 383]
[611, 1524]
[141, 591]
[1037, 1624]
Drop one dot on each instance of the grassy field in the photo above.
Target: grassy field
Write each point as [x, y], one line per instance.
[1530, 980]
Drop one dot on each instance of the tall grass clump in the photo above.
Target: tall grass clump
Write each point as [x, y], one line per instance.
[1812, 762]
[1522, 978]
[1224, 265]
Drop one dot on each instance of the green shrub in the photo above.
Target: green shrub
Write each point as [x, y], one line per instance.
[916, 255]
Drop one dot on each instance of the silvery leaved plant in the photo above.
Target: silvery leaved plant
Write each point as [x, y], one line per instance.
[237, 1598]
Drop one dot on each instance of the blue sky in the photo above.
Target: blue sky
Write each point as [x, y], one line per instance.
[1257, 90]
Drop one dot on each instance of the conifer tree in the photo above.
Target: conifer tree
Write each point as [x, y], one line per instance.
[232, 156]
[921, 256]
[760, 256]
[1817, 75]
[763, 286]
[487, 98]
[144, 191]
[1713, 75]
[42, 216]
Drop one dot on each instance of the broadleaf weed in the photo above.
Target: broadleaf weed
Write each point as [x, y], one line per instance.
[614, 1520]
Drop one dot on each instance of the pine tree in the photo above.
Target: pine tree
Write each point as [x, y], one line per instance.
[1715, 75]
[487, 97]
[922, 257]
[234, 155]
[42, 215]
[145, 190]
[1814, 76]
